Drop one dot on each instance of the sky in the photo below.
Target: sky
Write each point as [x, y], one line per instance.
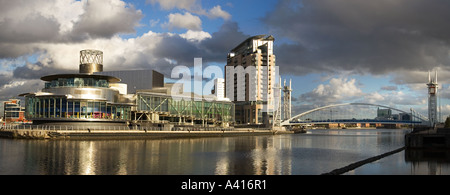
[335, 51]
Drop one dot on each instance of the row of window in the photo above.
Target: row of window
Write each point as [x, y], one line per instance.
[12, 114]
[60, 108]
[77, 82]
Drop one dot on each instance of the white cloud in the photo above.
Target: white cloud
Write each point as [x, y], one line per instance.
[104, 18]
[192, 6]
[26, 25]
[374, 98]
[65, 20]
[337, 90]
[153, 22]
[196, 36]
[65, 12]
[217, 12]
[183, 21]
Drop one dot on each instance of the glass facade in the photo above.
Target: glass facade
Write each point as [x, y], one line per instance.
[80, 97]
[77, 82]
[63, 108]
[198, 110]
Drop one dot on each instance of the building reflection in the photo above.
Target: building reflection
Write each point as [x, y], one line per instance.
[428, 161]
[252, 155]
[258, 156]
[87, 161]
[244, 155]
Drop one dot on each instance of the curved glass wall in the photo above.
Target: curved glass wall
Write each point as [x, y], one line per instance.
[77, 82]
[63, 108]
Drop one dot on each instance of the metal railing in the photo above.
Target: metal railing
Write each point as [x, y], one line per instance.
[108, 128]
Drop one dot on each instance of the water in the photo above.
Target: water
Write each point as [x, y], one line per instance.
[316, 152]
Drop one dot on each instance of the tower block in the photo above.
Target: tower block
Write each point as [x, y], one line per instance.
[432, 99]
[287, 90]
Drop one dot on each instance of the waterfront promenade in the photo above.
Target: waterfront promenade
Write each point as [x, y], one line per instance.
[69, 132]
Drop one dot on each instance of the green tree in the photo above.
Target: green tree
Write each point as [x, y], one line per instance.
[447, 122]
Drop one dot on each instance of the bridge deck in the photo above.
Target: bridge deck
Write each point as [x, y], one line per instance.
[354, 121]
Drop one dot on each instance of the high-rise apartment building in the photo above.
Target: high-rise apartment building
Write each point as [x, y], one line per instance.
[250, 76]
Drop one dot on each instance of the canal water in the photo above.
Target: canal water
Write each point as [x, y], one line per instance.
[313, 153]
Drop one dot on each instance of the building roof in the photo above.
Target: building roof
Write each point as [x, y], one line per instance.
[270, 37]
[110, 79]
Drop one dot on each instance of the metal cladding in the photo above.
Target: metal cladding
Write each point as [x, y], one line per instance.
[91, 61]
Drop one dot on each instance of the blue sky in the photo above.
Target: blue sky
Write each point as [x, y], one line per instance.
[335, 51]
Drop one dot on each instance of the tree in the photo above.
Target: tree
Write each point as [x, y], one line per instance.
[447, 122]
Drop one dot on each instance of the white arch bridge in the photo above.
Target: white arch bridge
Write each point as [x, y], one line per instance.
[354, 113]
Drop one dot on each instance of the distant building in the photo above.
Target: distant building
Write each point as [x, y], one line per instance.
[404, 117]
[250, 76]
[219, 89]
[384, 113]
[13, 112]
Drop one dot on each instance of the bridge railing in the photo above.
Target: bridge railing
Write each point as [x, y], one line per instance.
[358, 121]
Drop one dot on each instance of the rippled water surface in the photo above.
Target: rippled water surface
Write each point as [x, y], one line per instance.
[316, 152]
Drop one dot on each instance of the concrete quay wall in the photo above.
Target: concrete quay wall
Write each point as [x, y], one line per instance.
[431, 138]
[427, 140]
[127, 134]
[25, 134]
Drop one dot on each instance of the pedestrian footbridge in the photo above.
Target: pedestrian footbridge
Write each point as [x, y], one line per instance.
[357, 113]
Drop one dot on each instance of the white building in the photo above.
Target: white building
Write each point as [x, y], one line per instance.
[250, 79]
[219, 89]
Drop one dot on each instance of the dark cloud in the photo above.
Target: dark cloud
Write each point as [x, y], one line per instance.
[34, 28]
[25, 26]
[102, 19]
[222, 41]
[178, 49]
[376, 37]
[37, 70]
[389, 88]
[214, 49]
[4, 79]
[12, 51]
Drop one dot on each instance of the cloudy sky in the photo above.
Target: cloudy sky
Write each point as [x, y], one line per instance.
[335, 51]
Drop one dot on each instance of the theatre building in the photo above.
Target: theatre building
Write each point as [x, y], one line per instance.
[80, 97]
[141, 98]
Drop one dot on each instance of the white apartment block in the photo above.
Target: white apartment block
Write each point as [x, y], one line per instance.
[250, 76]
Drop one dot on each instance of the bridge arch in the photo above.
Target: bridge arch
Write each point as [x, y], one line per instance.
[415, 115]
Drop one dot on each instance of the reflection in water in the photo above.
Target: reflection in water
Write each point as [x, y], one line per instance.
[87, 159]
[428, 162]
[318, 151]
[221, 156]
